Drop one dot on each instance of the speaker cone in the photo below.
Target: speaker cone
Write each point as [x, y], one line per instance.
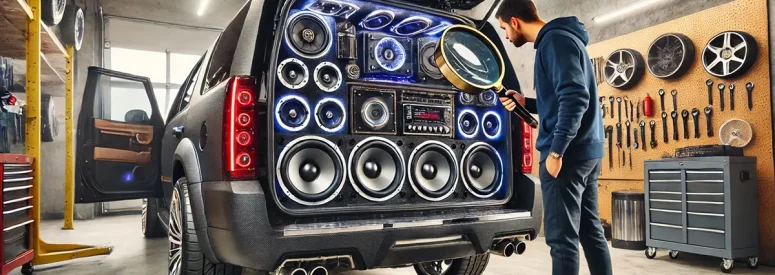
[491, 125]
[293, 73]
[482, 170]
[433, 170]
[330, 115]
[328, 76]
[428, 62]
[377, 169]
[309, 35]
[311, 170]
[292, 113]
[375, 113]
[468, 123]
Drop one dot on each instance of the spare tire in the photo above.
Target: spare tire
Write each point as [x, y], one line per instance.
[72, 26]
[49, 128]
[52, 11]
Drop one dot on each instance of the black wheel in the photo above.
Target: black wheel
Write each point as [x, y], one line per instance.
[730, 54]
[753, 262]
[673, 254]
[473, 265]
[185, 256]
[727, 265]
[624, 68]
[52, 11]
[651, 252]
[670, 56]
[72, 26]
[152, 227]
[49, 127]
[28, 269]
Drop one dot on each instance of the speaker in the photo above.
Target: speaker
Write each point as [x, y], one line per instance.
[482, 170]
[309, 35]
[433, 171]
[468, 123]
[426, 61]
[292, 113]
[491, 125]
[376, 169]
[330, 115]
[373, 110]
[328, 77]
[311, 171]
[293, 73]
[389, 55]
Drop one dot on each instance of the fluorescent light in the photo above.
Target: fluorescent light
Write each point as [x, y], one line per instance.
[637, 6]
[202, 7]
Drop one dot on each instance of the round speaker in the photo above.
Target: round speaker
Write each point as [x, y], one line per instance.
[377, 169]
[482, 170]
[390, 54]
[311, 170]
[309, 35]
[428, 62]
[467, 99]
[328, 77]
[330, 115]
[375, 113]
[491, 125]
[433, 170]
[292, 113]
[488, 98]
[293, 74]
[468, 124]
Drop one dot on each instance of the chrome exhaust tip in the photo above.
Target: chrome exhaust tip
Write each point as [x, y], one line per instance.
[298, 271]
[318, 270]
[505, 248]
[520, 247]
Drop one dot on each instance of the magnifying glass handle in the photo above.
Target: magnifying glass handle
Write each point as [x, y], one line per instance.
[520, 110]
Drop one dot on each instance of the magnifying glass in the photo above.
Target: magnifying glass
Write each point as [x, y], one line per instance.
[472, 63]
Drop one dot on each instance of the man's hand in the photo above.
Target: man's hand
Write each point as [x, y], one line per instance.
[553, 166]
[511, 100]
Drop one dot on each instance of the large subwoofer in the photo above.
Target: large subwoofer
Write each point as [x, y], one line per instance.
[433, 170]
[309, 35]
[377, 169]
[482, 170]
[311, 170]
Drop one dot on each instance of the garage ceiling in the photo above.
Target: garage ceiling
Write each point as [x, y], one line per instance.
[217, 13]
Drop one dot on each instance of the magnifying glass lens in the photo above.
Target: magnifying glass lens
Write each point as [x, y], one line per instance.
[474, 60]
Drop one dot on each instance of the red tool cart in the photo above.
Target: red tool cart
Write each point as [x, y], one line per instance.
[16, 175]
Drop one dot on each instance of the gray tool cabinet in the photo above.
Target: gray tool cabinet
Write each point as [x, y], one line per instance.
[703, 205]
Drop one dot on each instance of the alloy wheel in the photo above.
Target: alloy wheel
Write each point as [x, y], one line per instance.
[175, 234]
[436, 267]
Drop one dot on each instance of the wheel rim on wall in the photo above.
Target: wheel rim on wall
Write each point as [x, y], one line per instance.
[624, 68]
[176, 234]
[670, 55]
[729, 54]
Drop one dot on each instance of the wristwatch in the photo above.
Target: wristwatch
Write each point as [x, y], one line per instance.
[555, 155]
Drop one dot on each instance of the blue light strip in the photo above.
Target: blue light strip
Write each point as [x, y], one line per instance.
[410, 20]
[280, 121]
[500, 124]
[341, 106]
[375, 13]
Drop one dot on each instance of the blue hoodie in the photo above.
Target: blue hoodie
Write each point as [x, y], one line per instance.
[570, 122]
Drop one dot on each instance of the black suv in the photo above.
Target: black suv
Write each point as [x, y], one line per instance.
[316, 135]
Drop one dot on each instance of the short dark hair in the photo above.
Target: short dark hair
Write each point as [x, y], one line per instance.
[524, 10]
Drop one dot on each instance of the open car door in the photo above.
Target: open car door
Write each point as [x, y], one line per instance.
[118, 146]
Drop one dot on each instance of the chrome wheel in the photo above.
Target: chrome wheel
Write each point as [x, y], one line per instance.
[144, 214]
[624, 68]
[729, 54]
[175, 234]
[435, 268]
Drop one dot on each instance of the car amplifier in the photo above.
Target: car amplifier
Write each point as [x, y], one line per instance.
[708, 151]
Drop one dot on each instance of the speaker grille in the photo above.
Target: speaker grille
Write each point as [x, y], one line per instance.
[468, 124]
[311, 170]
[482, 170]
[377, 169]
[293, 74]
[309, 35]
[433, 171]
[292, 113]
[328, 77]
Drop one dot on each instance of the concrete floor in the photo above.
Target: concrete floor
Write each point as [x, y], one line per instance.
[132, 254]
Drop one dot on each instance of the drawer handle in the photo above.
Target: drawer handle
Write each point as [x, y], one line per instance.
[706, 194]
[17, 210]
[17, 172]
[17, 180]
[664, 172]
[17, 226]
[17, 165]
[665, 210]
[661, 200]
[705, 181]
[705, 214]
[703, 172]
[17, 200]
[706, 230]
[665, 192]
[666, 225]
[706, 202]
[664, 180]
[9, 189]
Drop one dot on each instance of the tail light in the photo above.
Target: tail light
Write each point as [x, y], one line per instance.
[239, 128]
[527, 148]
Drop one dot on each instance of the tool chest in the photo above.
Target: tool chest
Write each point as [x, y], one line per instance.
[16, 171]
[703, 205]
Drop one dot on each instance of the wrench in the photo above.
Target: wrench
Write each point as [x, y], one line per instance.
[636, 144]
[619, 141]
[626, 112]
[675, 103]
[630, 160]
[709, 83]
[749, 87]
[664, 127]
[732, 97]
[627, 123]
[685, 117]
[674, 116]
[609, 135]
[605, 110]
[632, 111]
[721, 95]
[611, 101]
[661, 99]
[653, 126]
[709, 119]
[643, 134]
[696, 118]
[619, 102]
[638, 110]
[602, 105]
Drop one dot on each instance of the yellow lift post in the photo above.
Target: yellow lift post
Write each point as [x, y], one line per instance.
[46, 253]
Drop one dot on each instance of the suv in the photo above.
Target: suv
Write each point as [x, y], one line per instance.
[239, 179]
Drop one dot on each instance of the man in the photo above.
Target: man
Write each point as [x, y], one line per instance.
[570, 138]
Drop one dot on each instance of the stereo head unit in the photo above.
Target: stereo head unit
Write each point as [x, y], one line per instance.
[428, 113]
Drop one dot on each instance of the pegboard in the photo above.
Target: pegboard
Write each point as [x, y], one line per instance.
[743, 15]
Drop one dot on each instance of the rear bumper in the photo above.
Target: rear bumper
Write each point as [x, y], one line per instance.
[238, 232]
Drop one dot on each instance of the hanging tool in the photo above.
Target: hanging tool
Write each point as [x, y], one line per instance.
[635, 144]
[685, 117]
[696, 118]
[630, 160]
[624, 158]
[674, 116]
[662, 99]
[664, 127]
[605, 110]
[710, 91]
[611, 101]
[626, 112]
[619, 102]
[609, 135]
[632, 112]
[638, 110]
[749, 87]
[674, 93]
[721, 95]
[653, 127]
[643, 134]
[602, 105]
[627, 124]
[618, 141]
[732, 97]
[708, 118]
[648, 106]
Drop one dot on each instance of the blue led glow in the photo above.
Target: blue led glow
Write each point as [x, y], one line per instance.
[280, 104]
[325, 24]
[399, 54]
[460, 122]
[127, 177]
[333, 8]
[499, 125]
[401, 28]
[378, 15]
[320, 123]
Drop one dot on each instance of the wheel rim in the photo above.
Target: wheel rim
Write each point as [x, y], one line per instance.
[727, 263]
[753, 261]
[722, 55]
[436, 268]
[176, 234]
[620, 68]
[144, 213]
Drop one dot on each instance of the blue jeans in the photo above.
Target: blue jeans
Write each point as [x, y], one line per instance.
[571, 216]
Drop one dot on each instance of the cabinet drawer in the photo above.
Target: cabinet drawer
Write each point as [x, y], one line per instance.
[666, 232]
[706, 220]
[665, 175]
[706, 237]
[705, 207]
[665, 195]
[709, 197]
[704, 187]
[664, 216]
[665, 204]
[709, 175]
[15, 242]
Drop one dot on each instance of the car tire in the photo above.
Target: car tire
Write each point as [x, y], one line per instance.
[52, 11]
[72, 26]
[185, 255]
[152, 227]
[473, 265]
[49, 127]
